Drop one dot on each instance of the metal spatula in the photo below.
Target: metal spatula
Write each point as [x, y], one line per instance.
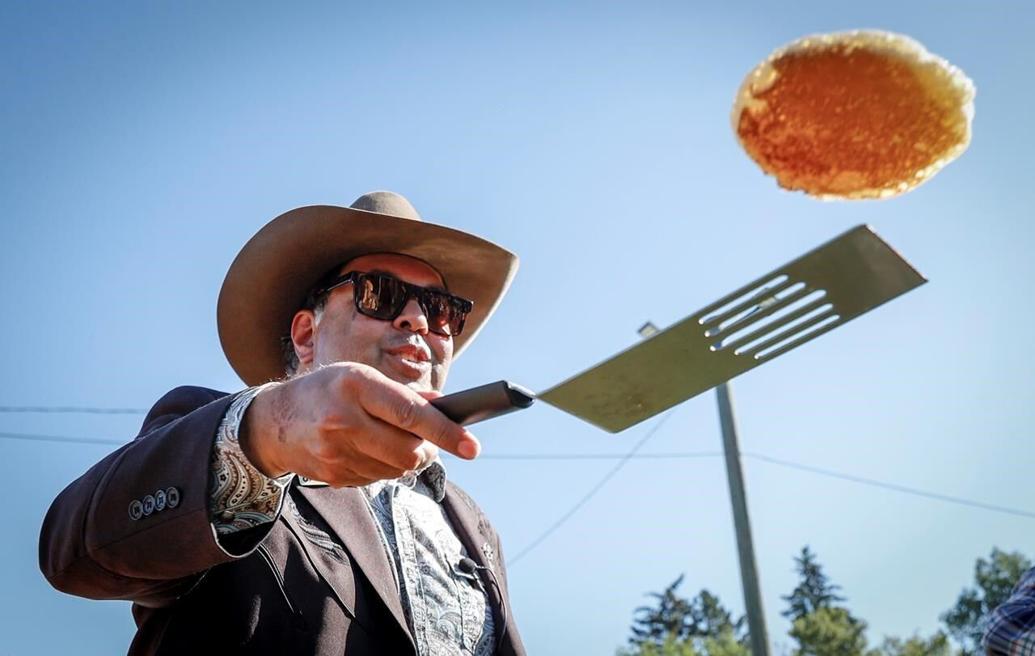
[780, 311]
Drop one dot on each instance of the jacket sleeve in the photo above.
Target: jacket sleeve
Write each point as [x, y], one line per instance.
[136, 525]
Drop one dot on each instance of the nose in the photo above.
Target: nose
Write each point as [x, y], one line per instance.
[412, 318]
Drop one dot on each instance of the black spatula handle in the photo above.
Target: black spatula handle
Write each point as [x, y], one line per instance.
[484, 402]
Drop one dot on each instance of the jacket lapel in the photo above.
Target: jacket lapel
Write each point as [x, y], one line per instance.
[473, 530]
[470, 528]
[347, 514]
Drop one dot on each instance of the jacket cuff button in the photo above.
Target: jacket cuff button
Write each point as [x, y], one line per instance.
[160, 500]
[136, 510]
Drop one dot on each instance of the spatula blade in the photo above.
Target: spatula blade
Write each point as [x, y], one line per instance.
[823, 289]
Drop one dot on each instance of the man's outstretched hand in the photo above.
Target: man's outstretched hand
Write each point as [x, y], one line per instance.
[347, 424]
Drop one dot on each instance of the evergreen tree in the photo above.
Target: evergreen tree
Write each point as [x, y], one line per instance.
[936, 645]
[702, 626]
[725, 644]
[820, 627]
[676, 626]
[671, 646]
[710, 619]
[669, 619]
[828, 631]
[814, 591]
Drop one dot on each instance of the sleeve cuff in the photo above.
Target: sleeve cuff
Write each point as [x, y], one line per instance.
[240, 496]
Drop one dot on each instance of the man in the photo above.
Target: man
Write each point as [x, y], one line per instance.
[1010, 628]
[310, 513]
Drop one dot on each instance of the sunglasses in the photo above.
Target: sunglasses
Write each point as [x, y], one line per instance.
[381, 296]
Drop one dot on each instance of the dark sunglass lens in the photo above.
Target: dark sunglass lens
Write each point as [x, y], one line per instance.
[459, 316]
[439, 312]
[446, 313]
[457, 326]
[367, 298]
[376, 296]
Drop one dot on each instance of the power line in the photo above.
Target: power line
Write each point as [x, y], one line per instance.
[602, 456]
[69, 409]
[623, 459]
[32, 437]
[890, 486]
[776, 461]
[592, 492]
[633, 455]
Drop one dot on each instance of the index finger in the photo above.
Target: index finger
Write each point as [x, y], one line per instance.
[400, 406]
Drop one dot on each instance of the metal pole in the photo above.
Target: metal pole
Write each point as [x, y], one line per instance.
[745, 546]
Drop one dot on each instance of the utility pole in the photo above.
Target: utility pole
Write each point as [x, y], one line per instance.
[856, 272]
[742, 525]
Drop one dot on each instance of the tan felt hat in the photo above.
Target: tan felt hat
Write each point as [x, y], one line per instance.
[271, 276]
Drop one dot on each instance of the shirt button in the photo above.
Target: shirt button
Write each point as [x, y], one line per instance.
[149, 504]
[136, 510]
[172, 497]
[160, 500]
[226, 517]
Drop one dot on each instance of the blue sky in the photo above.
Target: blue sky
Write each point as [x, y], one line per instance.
[143, 145]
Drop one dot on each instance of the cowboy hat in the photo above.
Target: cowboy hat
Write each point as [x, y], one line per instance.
[270, 278]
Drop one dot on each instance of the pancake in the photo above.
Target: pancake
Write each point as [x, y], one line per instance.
[853, 115]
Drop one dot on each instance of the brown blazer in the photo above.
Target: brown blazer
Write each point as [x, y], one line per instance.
[319, 581]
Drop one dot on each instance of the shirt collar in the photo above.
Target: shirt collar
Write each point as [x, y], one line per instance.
[430, 480]
[432, 477]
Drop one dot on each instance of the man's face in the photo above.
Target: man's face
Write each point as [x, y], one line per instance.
[402, 349]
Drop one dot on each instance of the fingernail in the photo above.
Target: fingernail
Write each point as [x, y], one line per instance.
[468, 449]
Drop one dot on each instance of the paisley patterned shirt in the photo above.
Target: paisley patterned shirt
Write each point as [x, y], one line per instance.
[446, 608]
[239, 495]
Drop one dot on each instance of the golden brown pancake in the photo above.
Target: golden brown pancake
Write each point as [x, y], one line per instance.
[863, 114]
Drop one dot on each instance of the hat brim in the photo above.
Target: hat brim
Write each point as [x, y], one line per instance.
[269, 279]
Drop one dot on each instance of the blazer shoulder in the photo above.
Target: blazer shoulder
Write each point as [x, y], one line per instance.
[178, 402]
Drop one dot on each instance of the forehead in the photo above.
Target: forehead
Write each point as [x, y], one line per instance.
[403, 267]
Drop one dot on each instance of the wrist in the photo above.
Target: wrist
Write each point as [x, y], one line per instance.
[254, 434]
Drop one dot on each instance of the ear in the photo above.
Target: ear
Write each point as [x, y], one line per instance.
[303, 330]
